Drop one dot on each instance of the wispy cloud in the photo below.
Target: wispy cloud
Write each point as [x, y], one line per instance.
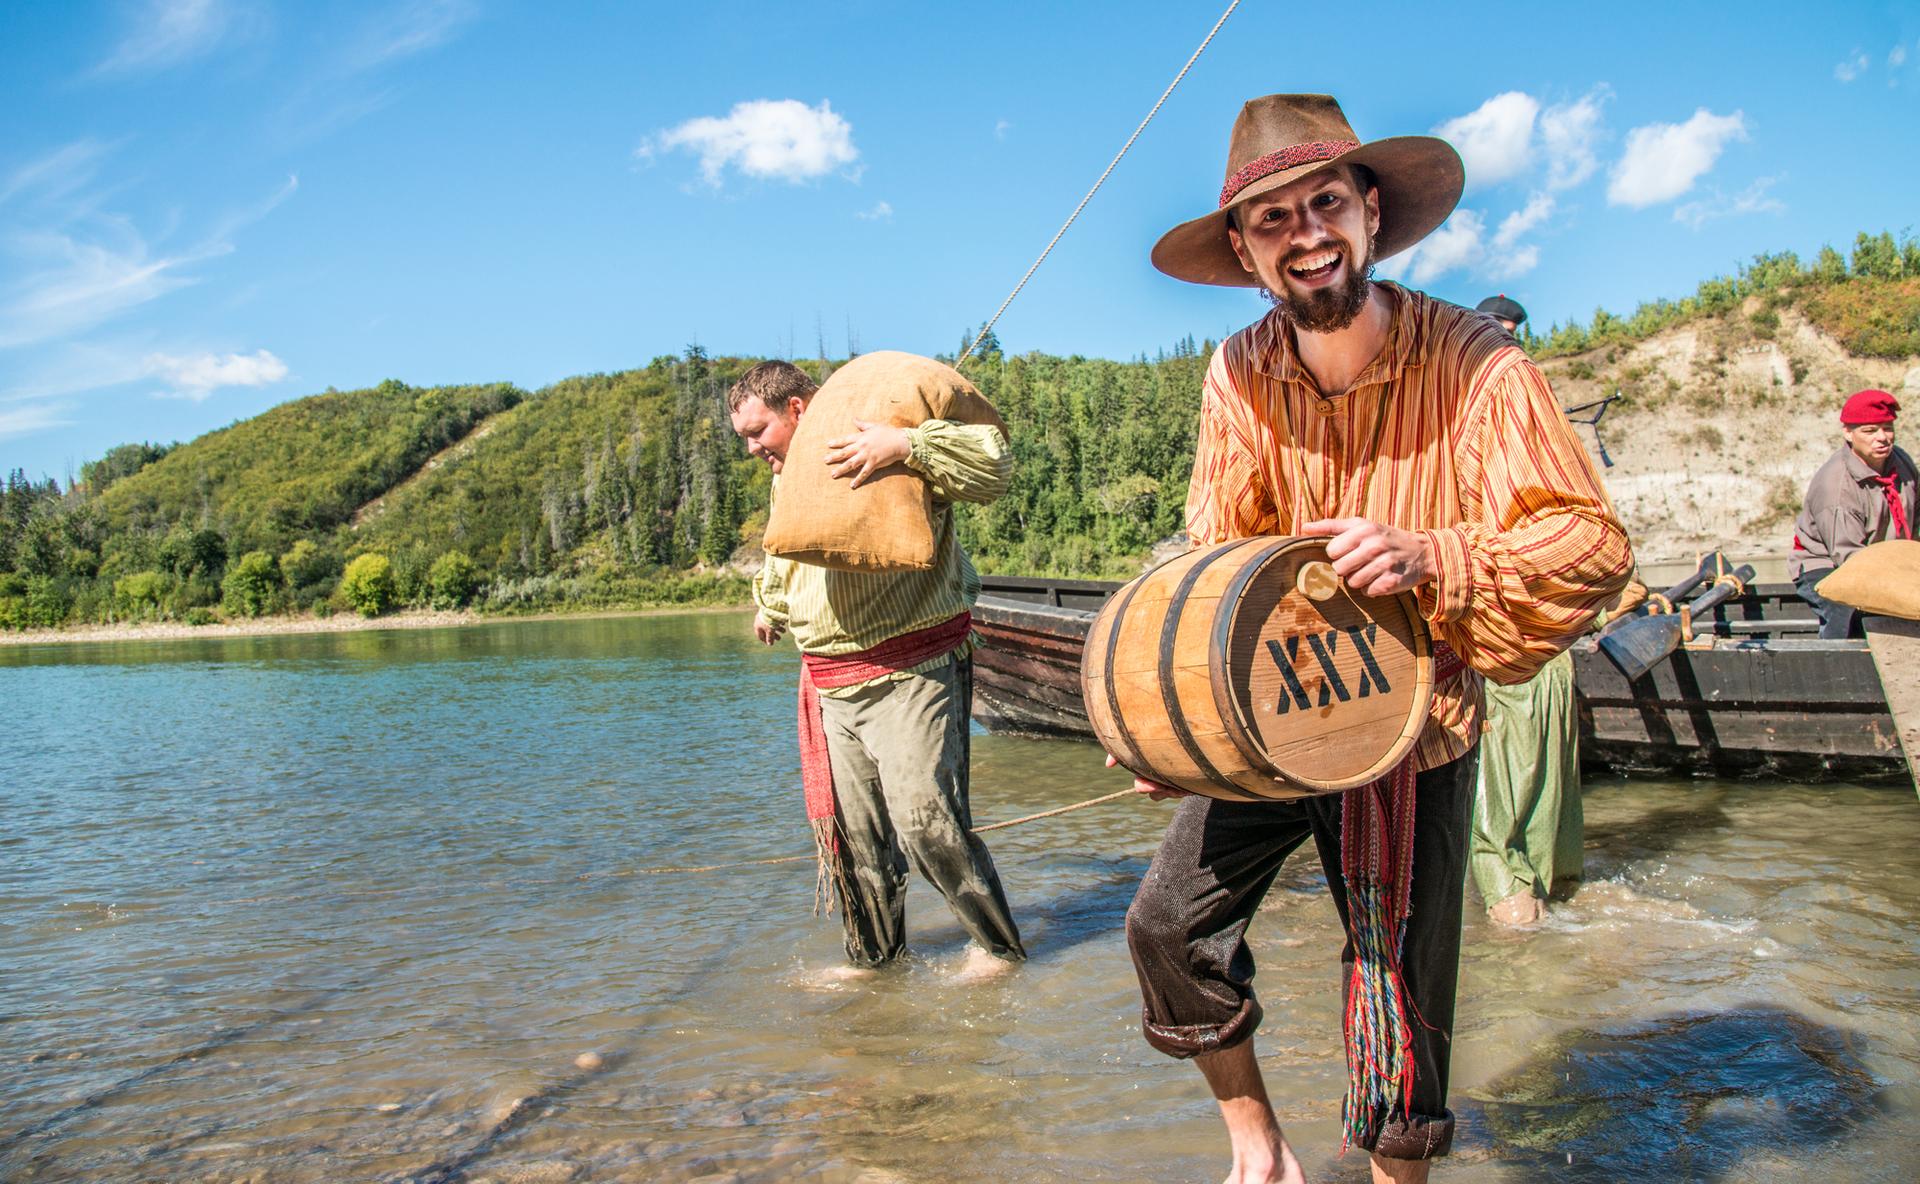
[69, 279]
[1495, 140]
[881, 212]
[1897, 57]
[169, 33]
[1462, 244]
[779, 139]
[1752, 200]
[1662, 161]
[74, 285]
[409, 29]
[1855, 64]
[35, 417]
[58, 174]
[1000, 129]
[197, 376]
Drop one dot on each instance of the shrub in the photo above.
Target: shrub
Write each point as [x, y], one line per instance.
[368, 584]
[251, 584]
[305, 564]
[453, 579]
[141, 594]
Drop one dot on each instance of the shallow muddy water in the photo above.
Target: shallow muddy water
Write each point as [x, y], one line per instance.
[376, 906]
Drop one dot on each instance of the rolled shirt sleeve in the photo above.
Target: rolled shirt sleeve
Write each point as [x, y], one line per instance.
[962, 462]
[770, 593]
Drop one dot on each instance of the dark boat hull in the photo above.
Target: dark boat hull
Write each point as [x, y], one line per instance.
[1767, 697]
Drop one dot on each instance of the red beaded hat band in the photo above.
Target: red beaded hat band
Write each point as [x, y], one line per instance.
[1289, 157]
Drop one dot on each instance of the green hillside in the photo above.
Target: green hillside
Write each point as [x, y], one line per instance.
[629, 489]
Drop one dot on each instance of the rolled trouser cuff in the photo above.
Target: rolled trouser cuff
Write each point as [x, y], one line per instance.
[1190, 1040]
[1418, 1137]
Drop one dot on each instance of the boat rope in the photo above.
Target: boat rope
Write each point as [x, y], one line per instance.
[978, 830]
[625, 873]
[988, 327]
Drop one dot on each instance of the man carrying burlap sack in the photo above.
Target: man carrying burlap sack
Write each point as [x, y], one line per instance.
[887, 669]
[1432, 455]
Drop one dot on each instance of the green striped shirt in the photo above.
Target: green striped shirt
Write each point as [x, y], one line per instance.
[843, 612]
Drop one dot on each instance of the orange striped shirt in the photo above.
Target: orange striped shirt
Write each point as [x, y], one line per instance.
[1451, 431]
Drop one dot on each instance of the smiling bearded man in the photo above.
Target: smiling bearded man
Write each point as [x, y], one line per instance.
[1431, 453]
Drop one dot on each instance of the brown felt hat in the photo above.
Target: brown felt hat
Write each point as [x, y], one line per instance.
[1279, 139]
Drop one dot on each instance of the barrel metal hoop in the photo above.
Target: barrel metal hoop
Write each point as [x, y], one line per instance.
[1131, 758]
[1169, 636]
[1223, 698]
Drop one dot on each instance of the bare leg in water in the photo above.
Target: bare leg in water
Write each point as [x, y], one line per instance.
[1261, 1154]
[1260, 1151]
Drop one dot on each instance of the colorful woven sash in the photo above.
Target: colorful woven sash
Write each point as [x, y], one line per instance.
[1376, 860]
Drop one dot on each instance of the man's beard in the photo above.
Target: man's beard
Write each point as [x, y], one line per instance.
[1327, 310]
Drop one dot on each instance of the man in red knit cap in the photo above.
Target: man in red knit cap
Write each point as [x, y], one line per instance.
[1865, 493]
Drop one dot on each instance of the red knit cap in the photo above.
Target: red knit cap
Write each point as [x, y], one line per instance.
[1869, 407]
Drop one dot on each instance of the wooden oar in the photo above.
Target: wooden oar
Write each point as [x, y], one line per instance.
[1642, 642]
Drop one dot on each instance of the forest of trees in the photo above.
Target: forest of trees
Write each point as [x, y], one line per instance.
[630, 489]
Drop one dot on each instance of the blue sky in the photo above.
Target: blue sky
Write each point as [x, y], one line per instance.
[211, 206]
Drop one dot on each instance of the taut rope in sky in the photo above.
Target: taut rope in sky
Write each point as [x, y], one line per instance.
[988, 327]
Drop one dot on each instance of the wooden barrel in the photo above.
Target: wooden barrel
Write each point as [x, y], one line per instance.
[1218, 672]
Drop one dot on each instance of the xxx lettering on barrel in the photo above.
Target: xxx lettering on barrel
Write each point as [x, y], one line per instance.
[1324, 648]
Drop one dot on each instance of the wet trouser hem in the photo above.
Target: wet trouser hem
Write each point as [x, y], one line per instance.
[1191, 1040]
[1418, 1137]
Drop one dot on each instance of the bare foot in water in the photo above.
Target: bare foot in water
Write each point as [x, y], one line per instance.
[833, 976]
[1519, 911]
[981, 967]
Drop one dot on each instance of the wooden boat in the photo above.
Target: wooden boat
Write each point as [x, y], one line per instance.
[1756, 691]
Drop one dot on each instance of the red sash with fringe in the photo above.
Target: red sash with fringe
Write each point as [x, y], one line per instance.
[817, 672]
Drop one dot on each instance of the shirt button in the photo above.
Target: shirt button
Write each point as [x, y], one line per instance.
[1325, 406]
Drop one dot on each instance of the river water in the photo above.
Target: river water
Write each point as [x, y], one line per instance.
[353, 907]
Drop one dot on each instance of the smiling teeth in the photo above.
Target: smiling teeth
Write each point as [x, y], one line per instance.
[1316, 262]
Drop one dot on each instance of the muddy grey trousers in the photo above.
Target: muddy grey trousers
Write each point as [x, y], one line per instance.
[1187, 930]
[900, 753]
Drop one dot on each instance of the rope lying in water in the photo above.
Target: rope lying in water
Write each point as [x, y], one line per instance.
[978, 830]
[362, 893]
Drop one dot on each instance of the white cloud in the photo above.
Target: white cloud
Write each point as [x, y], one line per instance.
[25, 421]
[776, 138]
[1494, 140]
[1569, 132]
[1461, 244]
[1000, 129]
[1752, 200]
[1897, 56]
[1663, 160]
[1458, 243]
[881, 212]
[1853, 67]
[1537, 210]
[168, 33]
[199, 375]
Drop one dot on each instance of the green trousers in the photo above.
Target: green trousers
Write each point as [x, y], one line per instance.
[1526, 811]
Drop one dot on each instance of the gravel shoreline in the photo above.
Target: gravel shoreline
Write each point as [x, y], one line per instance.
[338, 623]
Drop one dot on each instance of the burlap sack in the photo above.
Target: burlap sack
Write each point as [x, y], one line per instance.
[887, 523]
[1883, 579]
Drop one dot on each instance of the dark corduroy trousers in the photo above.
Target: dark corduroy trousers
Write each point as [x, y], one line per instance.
[1187, 930]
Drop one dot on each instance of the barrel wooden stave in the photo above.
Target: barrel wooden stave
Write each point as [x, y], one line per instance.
[1182, 689]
